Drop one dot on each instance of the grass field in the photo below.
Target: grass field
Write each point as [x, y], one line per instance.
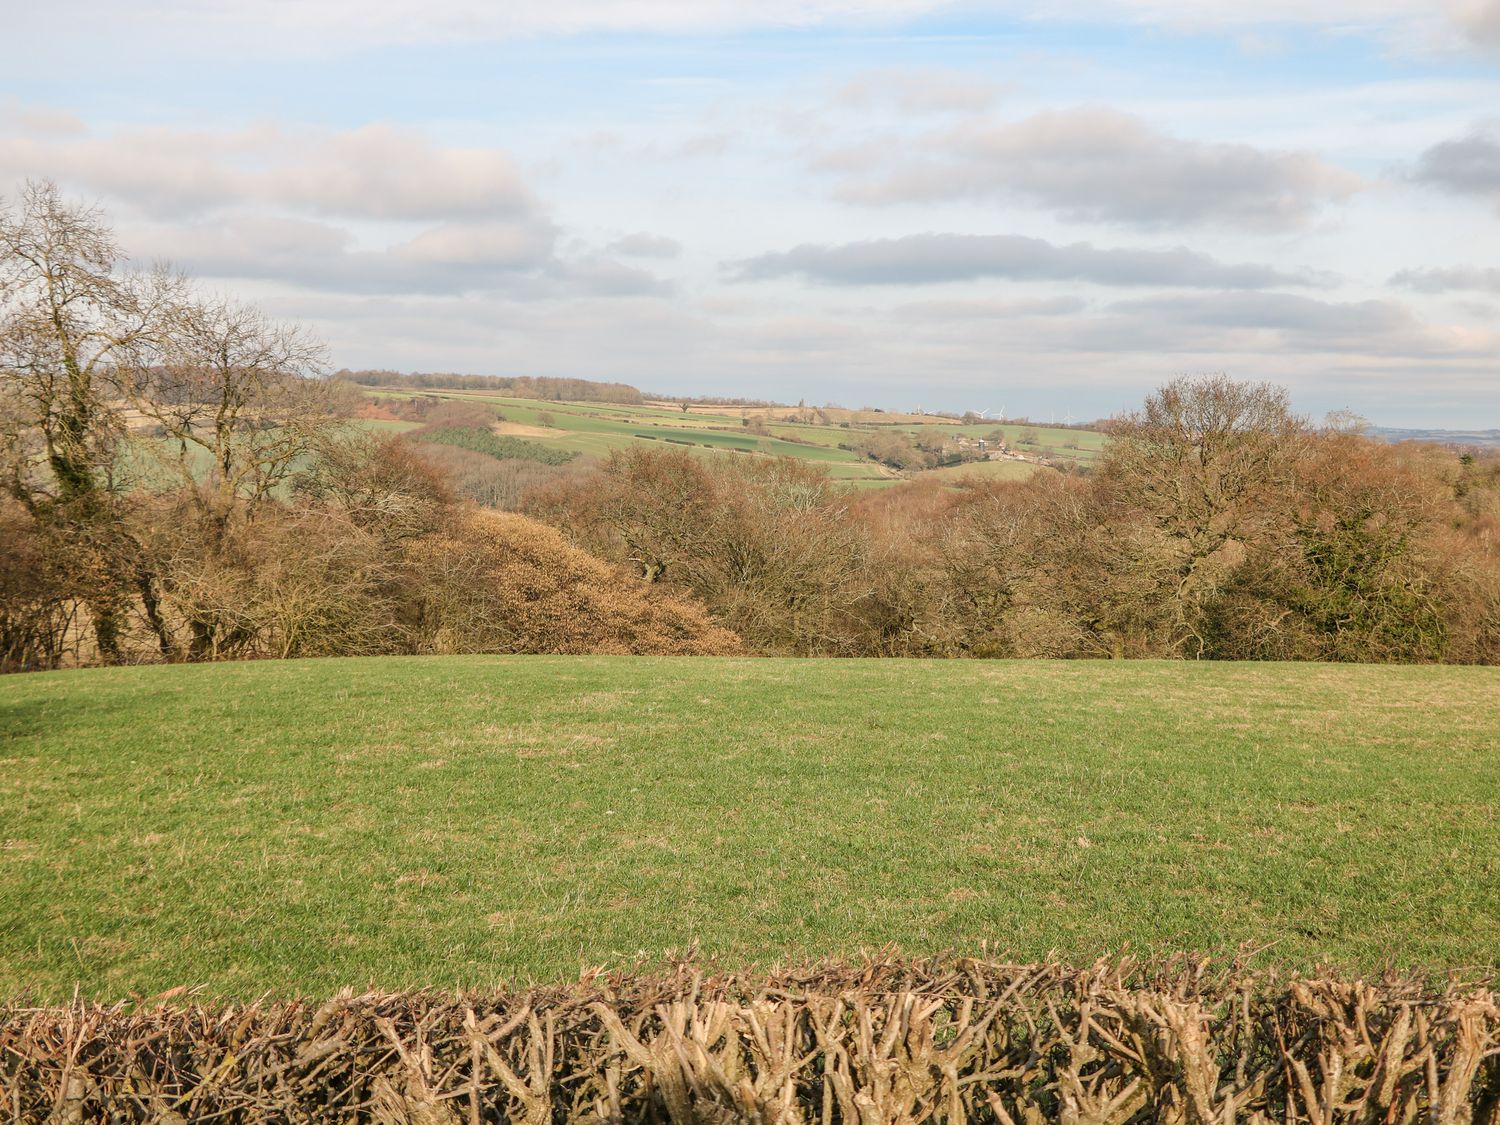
[303, 825]
[986, 470]
[596, 428]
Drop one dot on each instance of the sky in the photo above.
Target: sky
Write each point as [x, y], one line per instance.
[1036, 207]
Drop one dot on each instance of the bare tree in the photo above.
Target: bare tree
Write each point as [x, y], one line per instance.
[238, 409]
[236, 400]
[90, 350]
[71, 318]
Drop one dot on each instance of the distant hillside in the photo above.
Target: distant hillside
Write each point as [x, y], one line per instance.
[521, 386]
[1489, 439]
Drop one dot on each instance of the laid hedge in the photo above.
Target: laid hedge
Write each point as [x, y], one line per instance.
[875, 1043]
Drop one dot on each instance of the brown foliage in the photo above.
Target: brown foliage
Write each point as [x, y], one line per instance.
[498, 582]
[1373, 554]
[767, 545]
[884, 1042]
[1219, 526]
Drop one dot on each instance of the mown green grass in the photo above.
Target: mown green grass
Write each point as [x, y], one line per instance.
[443, 821]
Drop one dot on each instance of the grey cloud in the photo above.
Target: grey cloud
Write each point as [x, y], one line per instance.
[442, 260]
[516, 259]
[599, 275]
[645, 245]
[1444, 280]
[1479, 20]
[1096, 164]
[1468, 165]
[947, 312]
[927, 258]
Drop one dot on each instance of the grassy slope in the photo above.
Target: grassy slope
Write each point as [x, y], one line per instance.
[986, 470]
[298, 826]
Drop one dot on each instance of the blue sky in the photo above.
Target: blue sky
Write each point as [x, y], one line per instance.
[1049, 208]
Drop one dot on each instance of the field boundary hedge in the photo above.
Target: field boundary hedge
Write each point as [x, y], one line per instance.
[878, 1042]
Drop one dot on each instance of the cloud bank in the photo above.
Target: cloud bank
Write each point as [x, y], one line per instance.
[923, 259]
[1094, 164]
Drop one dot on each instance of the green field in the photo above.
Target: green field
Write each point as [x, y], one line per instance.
[597, 428]
[297, 826]
[986, 470]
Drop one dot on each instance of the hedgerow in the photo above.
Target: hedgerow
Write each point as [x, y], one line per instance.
[498, 446]
[879, 1042]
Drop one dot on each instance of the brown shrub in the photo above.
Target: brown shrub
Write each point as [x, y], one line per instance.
[498, 582]
[295, 581]
[766, 544]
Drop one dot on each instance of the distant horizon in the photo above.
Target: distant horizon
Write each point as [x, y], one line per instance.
[934, 407]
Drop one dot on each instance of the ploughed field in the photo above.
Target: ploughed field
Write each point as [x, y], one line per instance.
[299, 826]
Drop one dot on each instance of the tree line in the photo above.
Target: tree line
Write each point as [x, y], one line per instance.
[545, 387]
[179, 480]
[1217, 525]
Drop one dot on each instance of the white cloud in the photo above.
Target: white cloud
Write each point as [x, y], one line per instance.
[17, 116]
[322, 27]
[311, 27]
[376, 171]
[506, 245]
[374, 209]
